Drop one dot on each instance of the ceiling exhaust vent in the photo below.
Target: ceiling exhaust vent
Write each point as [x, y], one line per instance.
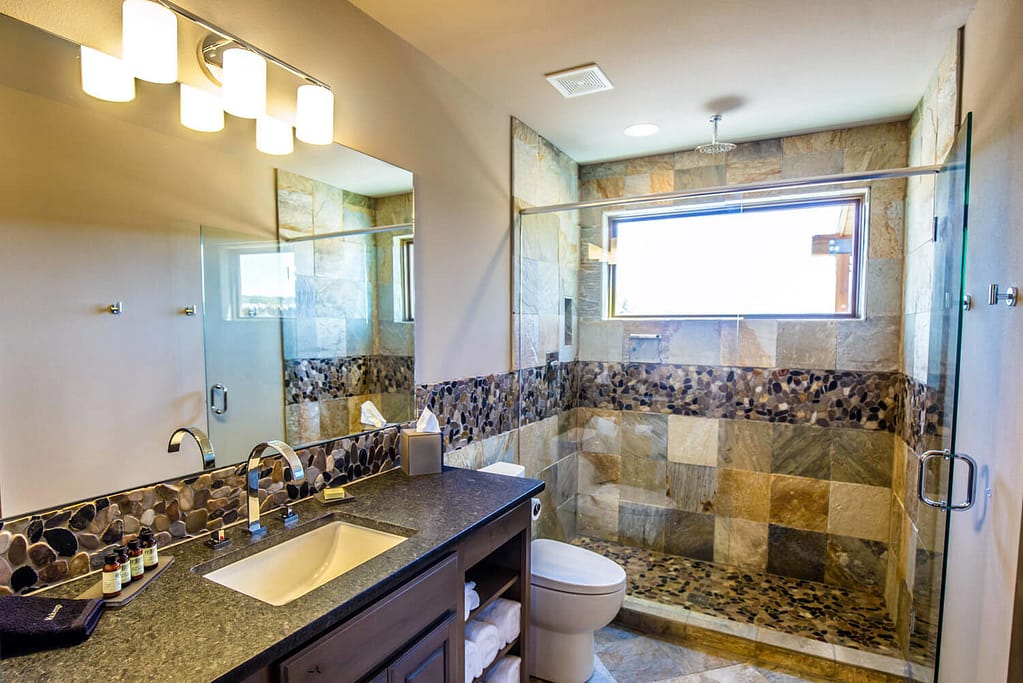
[581, 80]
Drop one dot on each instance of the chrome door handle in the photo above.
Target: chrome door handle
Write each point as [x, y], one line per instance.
[971, 480]
[213, 399]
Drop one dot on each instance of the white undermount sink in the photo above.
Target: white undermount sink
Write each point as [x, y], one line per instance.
[291, 569]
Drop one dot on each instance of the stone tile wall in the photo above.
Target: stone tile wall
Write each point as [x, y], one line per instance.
[55, 545]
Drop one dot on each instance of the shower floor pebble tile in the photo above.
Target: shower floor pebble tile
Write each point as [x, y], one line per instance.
[839, 616]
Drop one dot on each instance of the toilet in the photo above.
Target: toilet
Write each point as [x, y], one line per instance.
[575, 593]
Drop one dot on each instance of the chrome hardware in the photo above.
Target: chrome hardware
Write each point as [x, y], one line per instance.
[289, 517]
[189, 311]
[213, 399]
[209, 458]
[218, 539]
[254, 528]
[971, 480]
[967, 302]
[1009, 297]
[117, 308]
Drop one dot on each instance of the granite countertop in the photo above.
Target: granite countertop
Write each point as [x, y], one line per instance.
[184, 627]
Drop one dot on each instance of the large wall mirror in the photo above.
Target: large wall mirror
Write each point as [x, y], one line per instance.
[260, 297]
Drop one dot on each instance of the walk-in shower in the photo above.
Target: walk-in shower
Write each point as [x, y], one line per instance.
[727, 382]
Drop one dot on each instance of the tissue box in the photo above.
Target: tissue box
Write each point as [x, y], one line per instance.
[420, 453]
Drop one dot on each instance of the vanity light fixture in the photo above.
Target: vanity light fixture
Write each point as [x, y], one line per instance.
[642, 130]
[106, 77]
[274, 136]
[244, 78]
[200, 110]
[149, 40]
[314, 115]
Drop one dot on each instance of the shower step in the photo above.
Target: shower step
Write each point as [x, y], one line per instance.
[767, 646]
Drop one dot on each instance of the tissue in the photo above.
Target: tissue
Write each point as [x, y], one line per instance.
[427, 422]
[371, 416]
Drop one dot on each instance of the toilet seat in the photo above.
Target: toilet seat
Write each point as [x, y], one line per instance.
[570, 569]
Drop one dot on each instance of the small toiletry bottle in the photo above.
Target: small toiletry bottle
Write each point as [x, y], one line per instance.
[150, 555]
[125, 562]
[135, 559]
[111, 576]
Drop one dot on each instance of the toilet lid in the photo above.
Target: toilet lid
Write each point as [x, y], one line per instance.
[570, 569]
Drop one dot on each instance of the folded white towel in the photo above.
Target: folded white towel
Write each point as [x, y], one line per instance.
[506, 670]
[487, 639]
[505, 615]
[473, 663]
[472, 599]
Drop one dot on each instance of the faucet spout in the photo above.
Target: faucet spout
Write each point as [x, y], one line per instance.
[209, 458]
[254, 527]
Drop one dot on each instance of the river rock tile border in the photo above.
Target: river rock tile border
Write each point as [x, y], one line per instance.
[471, 409]
[50, 547]
[313, 379]
[923, 423]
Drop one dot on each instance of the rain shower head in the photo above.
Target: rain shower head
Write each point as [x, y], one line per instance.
[714, 146]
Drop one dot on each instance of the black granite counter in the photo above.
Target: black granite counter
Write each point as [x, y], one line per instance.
[184, 627]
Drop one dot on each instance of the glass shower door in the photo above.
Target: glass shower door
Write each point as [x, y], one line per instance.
[945, 478]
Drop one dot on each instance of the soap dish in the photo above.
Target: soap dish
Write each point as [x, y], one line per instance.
[329, 496]
[129, 592]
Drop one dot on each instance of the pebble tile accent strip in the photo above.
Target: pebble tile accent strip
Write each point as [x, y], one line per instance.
[60, 544]
[314, 379]
[472, 409]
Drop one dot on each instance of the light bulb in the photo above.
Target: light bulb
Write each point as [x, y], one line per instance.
[106, 77]
[244, 80]
[274, 136]
[314, 115]
[200, 110]
[149, 35]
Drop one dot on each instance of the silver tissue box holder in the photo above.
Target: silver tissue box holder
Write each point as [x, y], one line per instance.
[421, 452]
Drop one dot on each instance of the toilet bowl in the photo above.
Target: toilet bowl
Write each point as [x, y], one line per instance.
[575, 592]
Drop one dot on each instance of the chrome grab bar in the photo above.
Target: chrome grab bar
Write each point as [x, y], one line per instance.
[971, 480]
[213, 398]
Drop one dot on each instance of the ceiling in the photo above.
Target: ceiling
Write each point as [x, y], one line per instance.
[771, 67]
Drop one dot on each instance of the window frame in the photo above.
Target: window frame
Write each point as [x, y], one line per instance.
[860, 197]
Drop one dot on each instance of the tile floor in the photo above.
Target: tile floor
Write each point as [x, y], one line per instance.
[839, 616]
[626, 657]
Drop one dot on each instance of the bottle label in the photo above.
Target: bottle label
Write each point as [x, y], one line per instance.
[151, 555]
[111, 582]
[137, 569]
[125, 574]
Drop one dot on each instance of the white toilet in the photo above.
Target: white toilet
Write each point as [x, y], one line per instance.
[575, 593]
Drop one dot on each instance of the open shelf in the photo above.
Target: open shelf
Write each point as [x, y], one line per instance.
[505, 650]
[491, 583]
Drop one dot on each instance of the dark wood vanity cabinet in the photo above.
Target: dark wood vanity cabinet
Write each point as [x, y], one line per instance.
[415, 634]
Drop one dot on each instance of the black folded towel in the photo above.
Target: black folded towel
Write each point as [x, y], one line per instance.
[29, 624]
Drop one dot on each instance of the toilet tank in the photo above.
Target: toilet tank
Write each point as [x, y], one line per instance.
[505, 468]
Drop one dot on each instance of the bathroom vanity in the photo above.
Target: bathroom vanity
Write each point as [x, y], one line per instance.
[396, 617]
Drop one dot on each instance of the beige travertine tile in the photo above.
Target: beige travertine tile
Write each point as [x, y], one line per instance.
[751, 343]
[695, 342]
[597, 470]
[597, 512]
[600, 340]
[747, 544]
[745, 445]
[600, 430]
[810, 344]
[799, 502]
[693, 440]
[859, 511]
[871, 344]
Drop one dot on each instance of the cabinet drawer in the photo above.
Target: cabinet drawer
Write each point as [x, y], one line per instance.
[430, 659]
[360, 645]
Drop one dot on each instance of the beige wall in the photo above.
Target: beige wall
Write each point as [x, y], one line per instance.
[983, 562]
[401, 107]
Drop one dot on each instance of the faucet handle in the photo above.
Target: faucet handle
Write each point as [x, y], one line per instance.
[218, 539]
[288, 516]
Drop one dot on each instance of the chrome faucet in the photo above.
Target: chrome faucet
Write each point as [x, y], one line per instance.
[255, 529]
[209, 458]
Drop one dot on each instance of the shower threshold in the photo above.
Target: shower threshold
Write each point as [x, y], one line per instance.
[753, 613]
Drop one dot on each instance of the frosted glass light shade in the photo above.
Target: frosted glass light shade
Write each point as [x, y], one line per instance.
[106, 77]
[200, 110]
[314, 115]
[244, 79]
[274, 136]
[149, 35]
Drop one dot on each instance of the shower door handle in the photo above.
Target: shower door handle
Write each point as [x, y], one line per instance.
[222, 408]
[971, 480]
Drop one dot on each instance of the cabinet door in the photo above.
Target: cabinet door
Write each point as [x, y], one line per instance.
[429, 660]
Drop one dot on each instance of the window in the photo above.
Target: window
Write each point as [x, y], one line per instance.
[404, 276]
[797, 257]
[265, 284]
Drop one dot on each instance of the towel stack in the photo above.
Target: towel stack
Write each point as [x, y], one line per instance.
[505, 615]
[482, 643]
[472, 599]
[506, 671]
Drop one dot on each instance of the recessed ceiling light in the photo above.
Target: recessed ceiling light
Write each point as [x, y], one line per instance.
[641, 130]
